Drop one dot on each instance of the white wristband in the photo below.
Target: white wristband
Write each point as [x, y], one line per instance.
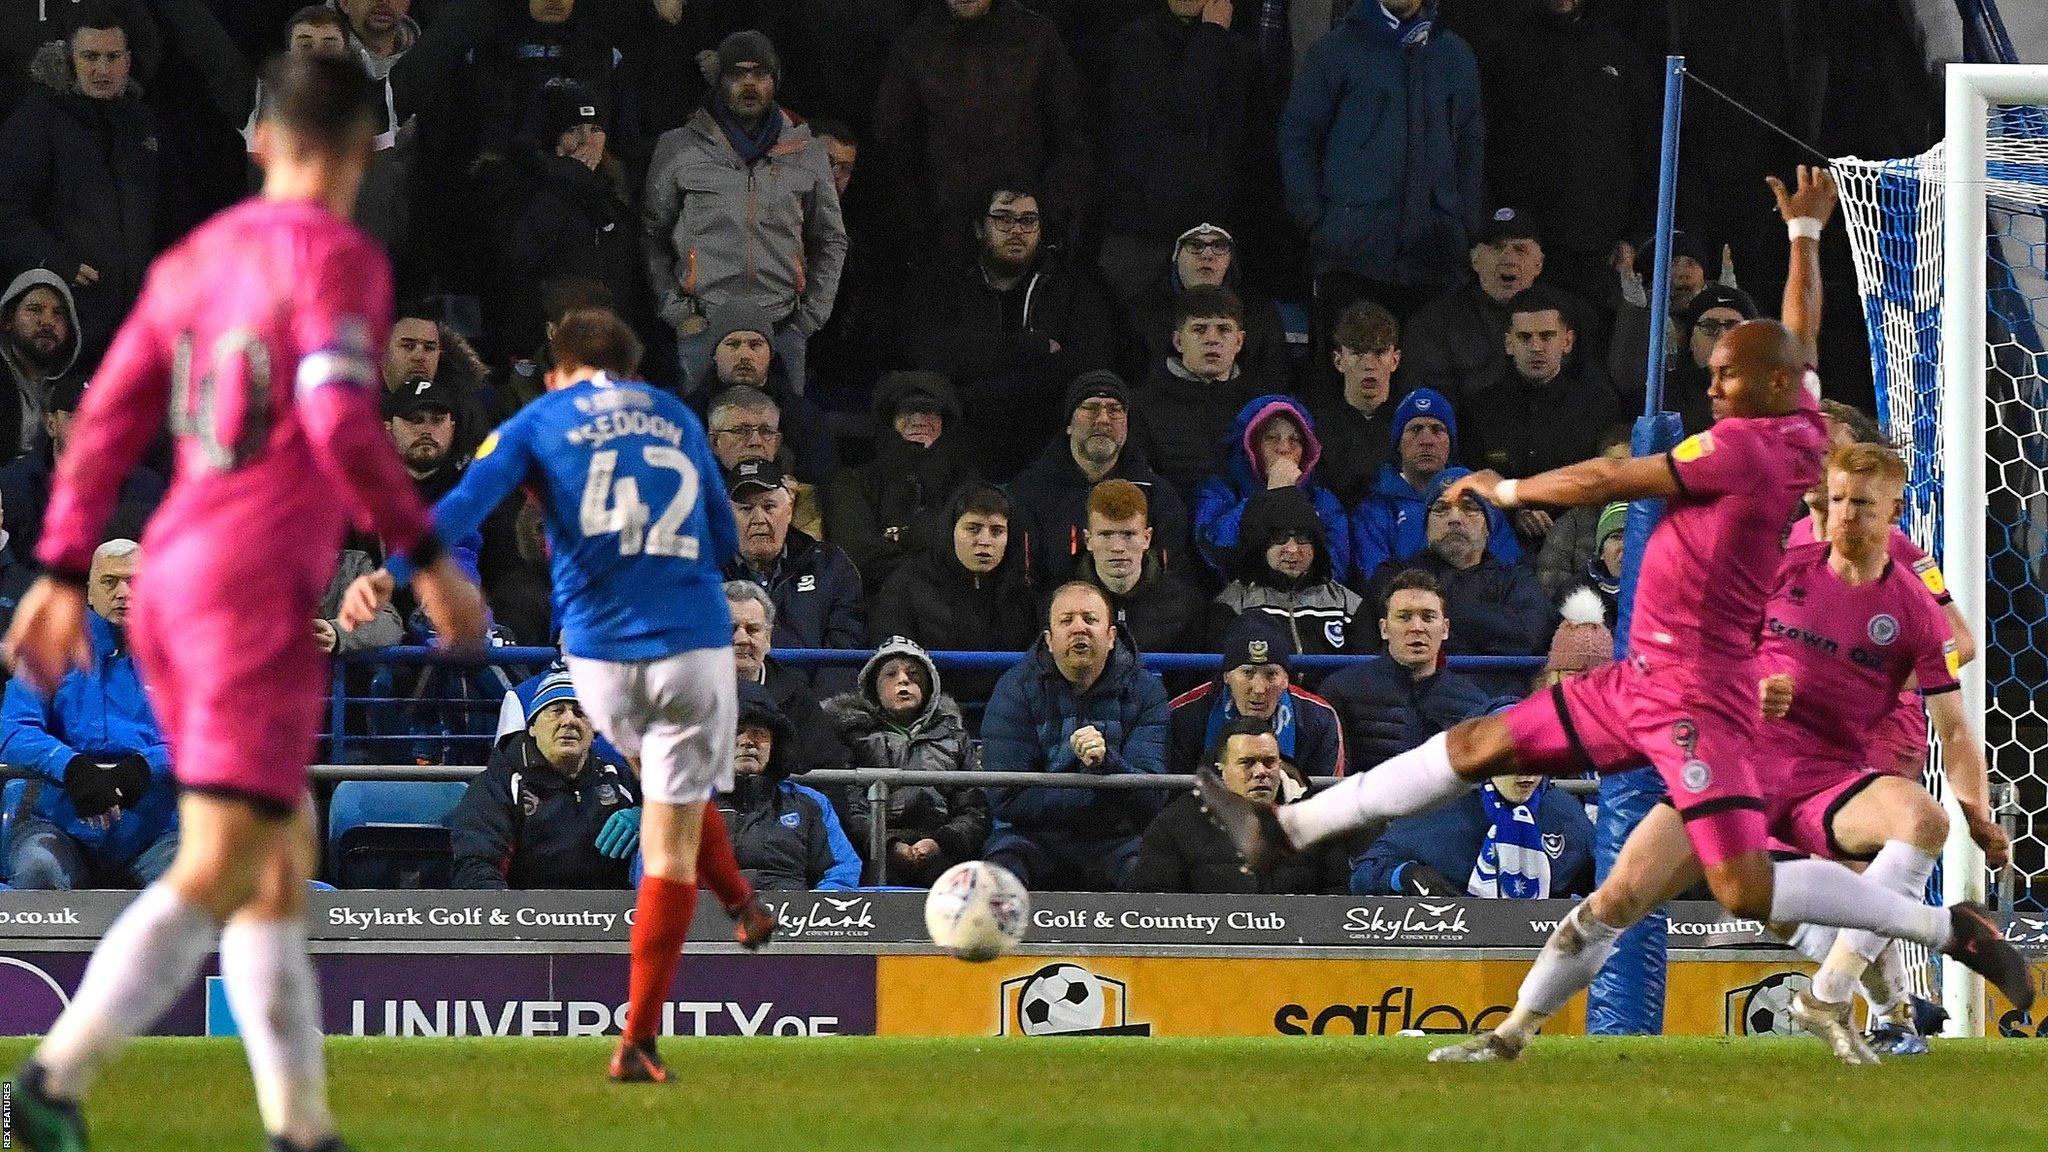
[1504, 494]
[1803, 228]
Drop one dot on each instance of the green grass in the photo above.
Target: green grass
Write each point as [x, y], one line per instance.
[1098, 1095]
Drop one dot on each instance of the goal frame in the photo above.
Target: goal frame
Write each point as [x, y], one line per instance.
[1972, 90]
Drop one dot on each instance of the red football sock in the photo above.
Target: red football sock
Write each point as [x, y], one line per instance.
[716, 867]
[661, 922]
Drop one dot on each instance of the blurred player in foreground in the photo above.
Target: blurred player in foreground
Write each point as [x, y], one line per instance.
[256, 336]
[640, 529]
[1685, 698]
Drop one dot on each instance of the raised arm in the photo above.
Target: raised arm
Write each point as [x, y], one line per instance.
[1806, 209]
[1590, 483]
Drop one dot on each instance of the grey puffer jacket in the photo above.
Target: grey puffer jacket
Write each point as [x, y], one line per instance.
[715, 229]
[935, 741]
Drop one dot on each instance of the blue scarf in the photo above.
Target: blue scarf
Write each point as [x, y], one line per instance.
[1226, 710]
[750, 145]
[1512, 864]
[1414, 31]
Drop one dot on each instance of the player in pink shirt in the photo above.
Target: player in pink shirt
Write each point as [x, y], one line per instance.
[1846, 630]
[1683, 699]
[254, 339]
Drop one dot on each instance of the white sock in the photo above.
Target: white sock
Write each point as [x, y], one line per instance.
[1884, 983]
[143, 964]
[276, 1000]
[1415, 781]
[1570, 959]
[1904, 869]
[1812, 941]
[1824, 892]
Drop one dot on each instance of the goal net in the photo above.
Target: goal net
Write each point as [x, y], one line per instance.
[1976, 442]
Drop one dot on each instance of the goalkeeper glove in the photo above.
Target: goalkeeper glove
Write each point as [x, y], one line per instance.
[621, 834]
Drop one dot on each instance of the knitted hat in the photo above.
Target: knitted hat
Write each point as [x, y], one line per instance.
[727, 319]
[1424, 402]
[555, 688]
[1100, 382]
[1255, 641]
[1583, 640]
[1613, 518]
[1718, 295]
[565, 103]
[749, 47]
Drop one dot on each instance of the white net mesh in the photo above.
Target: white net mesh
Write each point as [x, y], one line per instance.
[1893, 209]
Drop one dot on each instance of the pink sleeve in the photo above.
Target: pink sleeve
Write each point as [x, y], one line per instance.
[1717, 461]
[1910, 556]
[122, 411]
[1935, 662]
[338, 330]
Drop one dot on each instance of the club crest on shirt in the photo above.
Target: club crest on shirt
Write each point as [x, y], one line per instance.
[1884, 628]
[791, 819]
[1553, 845]
[1696, 776]
[1333, 631]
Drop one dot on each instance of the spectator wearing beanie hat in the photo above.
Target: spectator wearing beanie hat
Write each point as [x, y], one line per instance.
[1388, 525]
[1713, 311]
[1255, 682]
[1051, 493]
[1283, 575]
[742, 350]
[1204, 256]
[879, 511]
[1582, 641]
[762, 224]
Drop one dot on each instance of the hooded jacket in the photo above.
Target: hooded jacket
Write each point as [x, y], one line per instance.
[1161, 612]
[1030, 718]
[1381, 148]
[21, 422]
[717, 230]
[1051, 500]
[964, 100]
[1388, 524]
[998, 348]
[1385, 710]
[80, 186]
[26, 26]
[1316, 610]
[101, 709]
[934, 600]
[935, 740]
[522, 824]
[786, 837]
[879, 511]
[1219, 506]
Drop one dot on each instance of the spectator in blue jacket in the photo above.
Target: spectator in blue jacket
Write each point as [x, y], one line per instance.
[100, 810]
[1496, 609]
[1511, 838]
[1403, 696]
[786, 837]
[1380, 156]
[1255, 683]
[549, 811]
[1078, 702]
[1389, 523]
[1273, 444]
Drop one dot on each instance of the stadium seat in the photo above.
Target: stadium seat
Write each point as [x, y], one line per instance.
[391, 833]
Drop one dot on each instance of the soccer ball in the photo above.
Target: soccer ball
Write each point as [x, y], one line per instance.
[977, 911]
[1061, 998]
[1768, 1010]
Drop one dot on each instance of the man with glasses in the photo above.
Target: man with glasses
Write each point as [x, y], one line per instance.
[1204, 256]
[1009, 327]
[1052, 495]
[745, 423]
[745, 354]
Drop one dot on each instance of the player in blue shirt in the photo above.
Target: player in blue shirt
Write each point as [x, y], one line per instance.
[640, 528]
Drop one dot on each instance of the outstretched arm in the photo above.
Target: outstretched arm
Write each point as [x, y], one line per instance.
[1592, 482]
[1806, 210]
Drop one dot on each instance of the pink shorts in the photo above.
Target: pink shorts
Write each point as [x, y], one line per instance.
[1899, 744]
[1802, 821]
[1617, 717]
[233, 674]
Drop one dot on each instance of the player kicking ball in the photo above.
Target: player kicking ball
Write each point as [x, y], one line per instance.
[1846, 630]
[640, 529]
[1684, 699]
[256, 336]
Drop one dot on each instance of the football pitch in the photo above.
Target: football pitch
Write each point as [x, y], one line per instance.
[1095, 1095]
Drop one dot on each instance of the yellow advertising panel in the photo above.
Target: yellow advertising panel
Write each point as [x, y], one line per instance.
[2001, 1019]
[1175, 996]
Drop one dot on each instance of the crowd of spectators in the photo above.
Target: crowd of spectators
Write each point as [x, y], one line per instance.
[985, 304]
